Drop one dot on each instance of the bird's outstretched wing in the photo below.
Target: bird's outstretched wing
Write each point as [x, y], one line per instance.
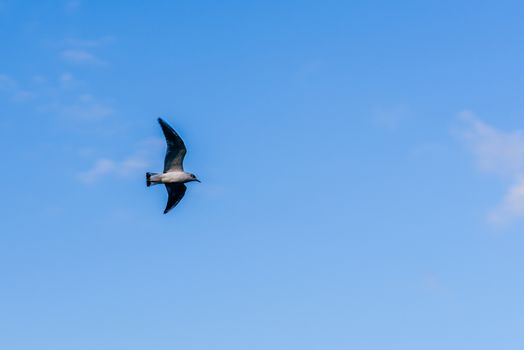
[176, 150]
[175, 193]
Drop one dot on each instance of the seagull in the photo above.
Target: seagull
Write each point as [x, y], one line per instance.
[174, 177]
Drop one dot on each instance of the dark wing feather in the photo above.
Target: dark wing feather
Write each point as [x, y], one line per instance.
[175, 193]
[176, 150]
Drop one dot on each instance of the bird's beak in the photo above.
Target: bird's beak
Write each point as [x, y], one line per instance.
[197, 180]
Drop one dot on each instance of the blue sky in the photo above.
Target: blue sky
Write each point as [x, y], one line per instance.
[362, 172]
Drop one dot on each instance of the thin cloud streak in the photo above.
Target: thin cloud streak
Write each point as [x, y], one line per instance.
[80, 56]
[134, 164]
[73, 6]
[73, 42]
[60, 97]
[13, 89]
[85, 108]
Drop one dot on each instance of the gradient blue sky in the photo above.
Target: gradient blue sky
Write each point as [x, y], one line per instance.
[361, 162]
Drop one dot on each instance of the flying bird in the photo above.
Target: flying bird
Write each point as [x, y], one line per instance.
[174, 177]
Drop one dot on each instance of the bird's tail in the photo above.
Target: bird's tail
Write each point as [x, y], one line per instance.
[148, 178]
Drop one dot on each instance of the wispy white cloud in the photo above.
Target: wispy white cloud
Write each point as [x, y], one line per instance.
[23, 95]
[62, 96]
[134, 164]
[502, 153]
[81, 51]
[7, 83]
[14, 90]
[101, 167]
[432, 283]
[391, 118]
[511, 207]
[88, 43]
[39, 79]
[80, 56]
[73, 6]
[85, 107]
[496, 151]
[69, 83]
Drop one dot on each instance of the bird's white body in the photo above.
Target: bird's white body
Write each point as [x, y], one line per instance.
[171, 177]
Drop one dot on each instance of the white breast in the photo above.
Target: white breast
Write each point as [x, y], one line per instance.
[174, 177]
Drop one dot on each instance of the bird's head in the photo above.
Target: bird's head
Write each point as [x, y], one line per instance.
[193, 178]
